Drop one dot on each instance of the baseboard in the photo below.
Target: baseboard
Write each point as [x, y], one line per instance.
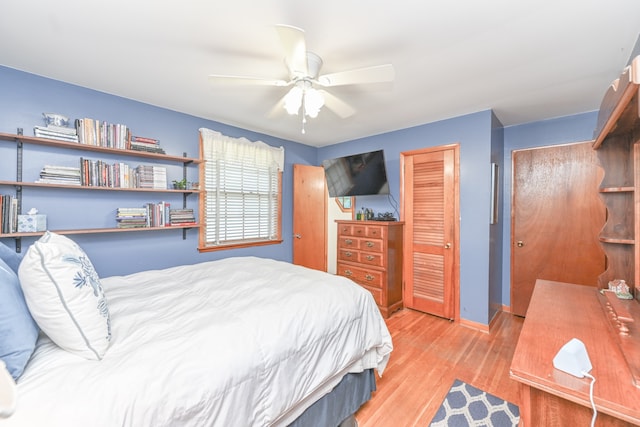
[482, 327]
[475, 325]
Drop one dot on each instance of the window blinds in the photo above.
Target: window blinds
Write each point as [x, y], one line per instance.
[242, 190]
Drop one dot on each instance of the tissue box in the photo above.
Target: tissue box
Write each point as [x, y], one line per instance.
[29, 223]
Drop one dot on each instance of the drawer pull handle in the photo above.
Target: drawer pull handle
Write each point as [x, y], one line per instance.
[348, 241]
[348, 273]
[370, 244]
[370, 257]
[369, 277]
[348, 254]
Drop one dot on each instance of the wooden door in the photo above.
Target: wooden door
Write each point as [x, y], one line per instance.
[430, 194]
[556, 217]
[309, 217]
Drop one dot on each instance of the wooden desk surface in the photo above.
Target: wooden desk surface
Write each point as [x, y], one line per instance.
[561, 311]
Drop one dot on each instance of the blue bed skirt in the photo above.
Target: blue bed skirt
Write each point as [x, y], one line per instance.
[343, 401]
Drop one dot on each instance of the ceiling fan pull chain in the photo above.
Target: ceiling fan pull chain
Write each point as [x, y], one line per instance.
[304, 114]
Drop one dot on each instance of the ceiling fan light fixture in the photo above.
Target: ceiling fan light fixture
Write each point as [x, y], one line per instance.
[303, 95]
[293, 100]
[313, 102]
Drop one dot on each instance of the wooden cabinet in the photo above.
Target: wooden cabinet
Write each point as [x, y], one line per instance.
[370, 253]
[617, 141]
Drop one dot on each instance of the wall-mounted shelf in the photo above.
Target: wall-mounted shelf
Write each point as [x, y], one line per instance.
[87, 187]
[617, 141]
[86, 147]
[100, 230]
[19, 184]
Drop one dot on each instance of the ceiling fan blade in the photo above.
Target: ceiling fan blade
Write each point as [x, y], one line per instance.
[295, 48]
[337, 105]
[375, 74]
[276, 110]
[246, 80]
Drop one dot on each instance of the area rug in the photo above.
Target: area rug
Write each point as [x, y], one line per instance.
[466, 406]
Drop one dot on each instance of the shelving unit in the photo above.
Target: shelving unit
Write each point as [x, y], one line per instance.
[617, 141]
[19, 184]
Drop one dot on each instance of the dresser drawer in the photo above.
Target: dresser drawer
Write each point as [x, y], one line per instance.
[345, 230]
[347, 254]
[372, 258]
[375, 231]
[370, 278]
[355, 229]
[371, 245]
[348, 242]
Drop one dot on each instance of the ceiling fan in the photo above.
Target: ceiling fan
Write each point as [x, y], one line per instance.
[305, 79]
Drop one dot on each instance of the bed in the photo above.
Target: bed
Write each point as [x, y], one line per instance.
[242, 341]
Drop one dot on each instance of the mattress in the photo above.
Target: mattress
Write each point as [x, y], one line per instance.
[242, 341]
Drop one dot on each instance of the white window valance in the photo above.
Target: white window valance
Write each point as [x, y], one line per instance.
[241, 149]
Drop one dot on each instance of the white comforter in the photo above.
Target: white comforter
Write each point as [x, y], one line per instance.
[235, 342]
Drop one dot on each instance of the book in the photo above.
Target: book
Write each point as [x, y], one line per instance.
[102, 134]
[143, 139]
[42, 132]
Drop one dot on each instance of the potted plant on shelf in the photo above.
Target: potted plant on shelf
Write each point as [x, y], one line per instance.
[180, 185]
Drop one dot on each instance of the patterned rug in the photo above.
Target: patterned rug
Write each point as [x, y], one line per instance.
[466, 406]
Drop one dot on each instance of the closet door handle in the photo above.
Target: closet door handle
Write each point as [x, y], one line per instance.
[520, 243]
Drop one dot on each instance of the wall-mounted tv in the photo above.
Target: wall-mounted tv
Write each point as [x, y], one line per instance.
[356, 175]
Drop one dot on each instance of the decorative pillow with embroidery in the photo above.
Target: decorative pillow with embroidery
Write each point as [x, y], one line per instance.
[65, 297]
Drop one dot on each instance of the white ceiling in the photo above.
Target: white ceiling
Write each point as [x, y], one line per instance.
[527, 60]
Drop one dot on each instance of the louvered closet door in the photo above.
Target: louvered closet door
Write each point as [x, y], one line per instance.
[429, 207]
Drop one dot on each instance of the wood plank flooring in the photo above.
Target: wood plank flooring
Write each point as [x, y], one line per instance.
[429, 354]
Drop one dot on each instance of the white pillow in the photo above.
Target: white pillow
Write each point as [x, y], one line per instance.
[65, 297]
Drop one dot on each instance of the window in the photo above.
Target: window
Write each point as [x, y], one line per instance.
[242, 200]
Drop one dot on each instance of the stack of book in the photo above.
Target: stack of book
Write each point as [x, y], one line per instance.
[102, 134]
[158, 214]
[97, 173]
[8, 214]
[132, 217]
[142, 143]
[65, 175]
[151, 177]
[181, 217]
[60, 133]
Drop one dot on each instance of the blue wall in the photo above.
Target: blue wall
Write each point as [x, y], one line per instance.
[23, 99]
[484, 249]
[473, 132]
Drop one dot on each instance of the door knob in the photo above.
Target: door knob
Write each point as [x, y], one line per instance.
[447, 246]
[520, 243]
[297, 236]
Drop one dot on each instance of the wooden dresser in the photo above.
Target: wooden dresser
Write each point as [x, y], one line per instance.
[370, 253]
[557, 313]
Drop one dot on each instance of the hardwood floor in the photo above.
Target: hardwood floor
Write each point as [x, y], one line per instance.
[429, 354]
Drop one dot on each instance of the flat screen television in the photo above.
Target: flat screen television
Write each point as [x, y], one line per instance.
[362, 174]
